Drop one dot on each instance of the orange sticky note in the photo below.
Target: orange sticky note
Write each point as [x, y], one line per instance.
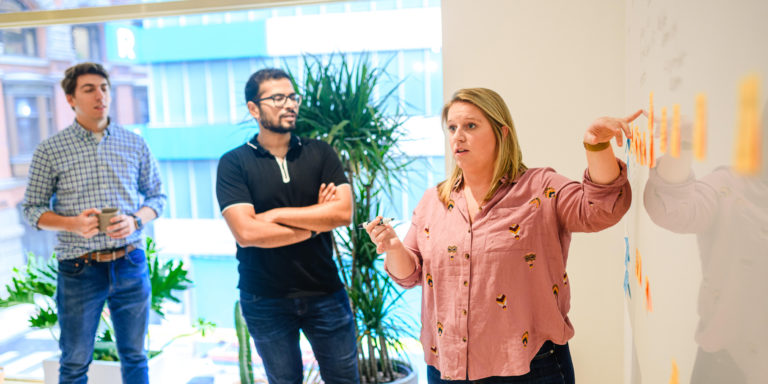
[674, 144]
[747, 156]
[638, 267]
[674, 378]
[651, 155]
[700, 128]
[648, 302]
[645, 147]
[650, 113]
[663, 129]
[636, 143]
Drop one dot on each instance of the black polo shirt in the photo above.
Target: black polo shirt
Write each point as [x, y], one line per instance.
[249, 174]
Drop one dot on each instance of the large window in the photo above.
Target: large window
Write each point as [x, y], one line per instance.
[18, 42]
[86, 40]
[178, 81]
[29, 119]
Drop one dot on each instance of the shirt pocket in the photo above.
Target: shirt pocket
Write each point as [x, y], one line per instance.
[511, 228]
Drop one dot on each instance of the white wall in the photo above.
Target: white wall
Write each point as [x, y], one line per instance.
[559, 65]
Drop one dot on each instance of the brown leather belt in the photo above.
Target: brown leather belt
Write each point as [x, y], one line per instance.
[106, 255]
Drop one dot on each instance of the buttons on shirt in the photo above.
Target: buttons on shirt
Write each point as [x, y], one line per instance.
[464, 312]
[469, 230]
[464, 339]
[466, 283]
[466, 256]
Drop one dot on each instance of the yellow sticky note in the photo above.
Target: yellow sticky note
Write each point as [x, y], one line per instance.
[650, 113]
[700, 128]
[674, 378]
[663, 131]
[747, 156]
[651, 154]
[636, 143]
[674, 140]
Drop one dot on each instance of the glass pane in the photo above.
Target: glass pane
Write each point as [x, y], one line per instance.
[28, 127]
[179, 81]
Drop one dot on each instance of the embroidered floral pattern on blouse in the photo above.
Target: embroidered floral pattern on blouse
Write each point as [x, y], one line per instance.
[452, 249]
[525, 339]
[530, 258]
[549, 192]
[515, 229]
[501, 300]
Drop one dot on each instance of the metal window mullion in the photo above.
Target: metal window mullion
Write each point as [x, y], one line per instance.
[192, 187]
[187, 93]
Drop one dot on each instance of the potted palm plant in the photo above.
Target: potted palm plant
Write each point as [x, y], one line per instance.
[36, 285]
[341, 107]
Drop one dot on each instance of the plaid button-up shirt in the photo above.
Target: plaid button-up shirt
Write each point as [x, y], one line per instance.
[73, 171]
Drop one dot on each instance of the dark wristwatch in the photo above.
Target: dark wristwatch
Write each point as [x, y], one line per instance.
[139, 223]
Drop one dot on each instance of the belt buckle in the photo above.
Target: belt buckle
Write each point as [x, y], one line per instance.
[112, 258]
[106, 257]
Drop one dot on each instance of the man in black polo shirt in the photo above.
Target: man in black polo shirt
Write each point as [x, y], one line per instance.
[281, 195]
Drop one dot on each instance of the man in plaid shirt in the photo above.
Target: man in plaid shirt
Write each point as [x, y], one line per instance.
[90, 165]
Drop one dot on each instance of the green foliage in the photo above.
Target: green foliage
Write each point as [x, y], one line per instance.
[244, 346]
[341, 108]
[165, 279]
[36, 285]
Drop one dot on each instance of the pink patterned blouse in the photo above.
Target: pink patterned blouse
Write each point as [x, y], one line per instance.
[495, 290]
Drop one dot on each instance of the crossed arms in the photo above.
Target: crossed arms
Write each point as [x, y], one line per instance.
[289, 225]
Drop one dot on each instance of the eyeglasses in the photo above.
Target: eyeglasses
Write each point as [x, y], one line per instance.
[279, 99]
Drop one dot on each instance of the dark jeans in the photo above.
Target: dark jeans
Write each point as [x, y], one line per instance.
[82, 289]
[326, 321]
[551, 365]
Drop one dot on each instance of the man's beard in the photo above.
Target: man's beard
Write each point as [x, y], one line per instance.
[276, 128]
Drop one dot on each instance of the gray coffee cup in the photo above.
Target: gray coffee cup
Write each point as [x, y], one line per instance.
[104, 217]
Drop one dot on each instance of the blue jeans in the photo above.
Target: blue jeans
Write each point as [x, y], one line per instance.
[83, 287]
[551, 365]
[326, 321]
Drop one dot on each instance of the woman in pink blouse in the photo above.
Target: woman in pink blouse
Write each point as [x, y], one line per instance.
[489, 246]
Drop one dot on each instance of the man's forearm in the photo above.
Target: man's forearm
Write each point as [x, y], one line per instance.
[257, 233]
[319, 217]
[51, 221]
[146, 214]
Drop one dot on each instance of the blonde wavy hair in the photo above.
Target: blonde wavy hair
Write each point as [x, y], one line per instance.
[509, 158]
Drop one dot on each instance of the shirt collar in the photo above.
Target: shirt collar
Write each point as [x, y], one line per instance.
[295, 142]
[84, 133]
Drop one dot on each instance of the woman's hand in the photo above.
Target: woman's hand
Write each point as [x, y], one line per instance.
[383, 235]
[605, 128]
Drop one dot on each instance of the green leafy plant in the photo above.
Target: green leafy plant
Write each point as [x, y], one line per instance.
[341, 107]
[244, 356]
[36, 285]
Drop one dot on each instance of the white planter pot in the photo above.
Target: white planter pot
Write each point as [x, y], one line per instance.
[99, 372]
[410, 378]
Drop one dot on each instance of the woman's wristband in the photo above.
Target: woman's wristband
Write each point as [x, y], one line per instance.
[596, 147]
